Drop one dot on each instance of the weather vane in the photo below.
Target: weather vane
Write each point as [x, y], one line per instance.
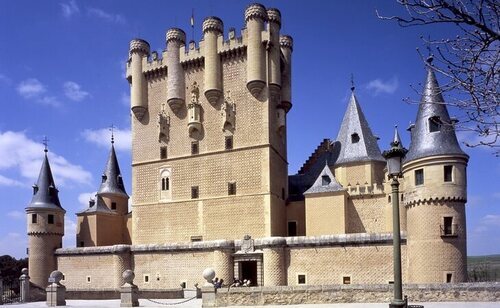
[352, 82]
[112, 130]
[45, 142]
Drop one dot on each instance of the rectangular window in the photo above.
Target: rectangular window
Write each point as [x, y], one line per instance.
[33, 218]
[419, 177]
[292, 228]
[449, 277]
[196, 238]
[229, 142]
[448, 173]
[50, 219]
[89, 279]
[346, 280]
[195, 147]
[195, 192]
[231, 188]
[82, 244]
[163, 152]
[301, 279]
[146, 278]
[447, 226]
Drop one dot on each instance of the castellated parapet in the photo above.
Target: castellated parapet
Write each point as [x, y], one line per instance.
[175, 80]
[139, 50]
[212, 30]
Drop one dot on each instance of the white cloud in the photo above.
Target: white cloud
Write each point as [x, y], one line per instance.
[15, 214]
[74, 91]
[380, 86]
[84, 198]
[31, 88]
[5, 181]
[69, 8]
[19, 152]
[491, 220]
[101, 137]
[109, 17]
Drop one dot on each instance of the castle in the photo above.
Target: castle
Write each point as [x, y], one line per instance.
[210, 183]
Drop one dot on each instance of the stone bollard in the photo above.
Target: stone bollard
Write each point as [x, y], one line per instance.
[129, 293]
[56, 292]
[208, 289]
[25, 286]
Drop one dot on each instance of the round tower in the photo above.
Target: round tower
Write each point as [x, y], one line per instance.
[274, 25]
[435, 192]
[286, 44]
[175, 78]
[45, 224]
[255, 16]
[212, 30]
[139, 49]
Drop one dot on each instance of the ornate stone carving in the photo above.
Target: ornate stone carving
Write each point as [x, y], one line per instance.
[163, 125]
[194, 110]
[140, 46]
[255, 11]
[228, 112]
[274, 15]
[213, 23]
[247, 244]
[175, 34]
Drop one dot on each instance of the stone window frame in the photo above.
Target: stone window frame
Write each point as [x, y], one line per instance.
[163, 152]
[195, 192]
[88, 279]
[344, 276]
[165, 175]
[231, 188]
[51, 219]
[445, 276]
[113, 206]
[146, 278]
[34, 218]
[451, 230]
[449, 168]
[195, 148]
[196, 238]
[419, 180]
[298, 278]
[228, 142]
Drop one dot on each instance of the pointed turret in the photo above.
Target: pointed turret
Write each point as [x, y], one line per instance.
[45, 193]
[325, 182]
[433, 132]
[112, 182]
[355, 136]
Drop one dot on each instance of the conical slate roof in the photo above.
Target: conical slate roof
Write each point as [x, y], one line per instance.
[356, 138]
[112, 182]
[325, 182]
[45, 193]
[97, 206]
[432, 111]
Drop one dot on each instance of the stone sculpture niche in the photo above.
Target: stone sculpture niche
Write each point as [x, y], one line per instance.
[194, 111]
[228, 112]
[163, 125]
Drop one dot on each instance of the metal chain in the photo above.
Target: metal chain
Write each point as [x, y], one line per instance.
[170, 304]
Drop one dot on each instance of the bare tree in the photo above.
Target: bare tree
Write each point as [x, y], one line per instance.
[468, 62]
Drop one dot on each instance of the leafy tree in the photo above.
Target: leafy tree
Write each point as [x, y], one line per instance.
[468, 62]
[10, 268]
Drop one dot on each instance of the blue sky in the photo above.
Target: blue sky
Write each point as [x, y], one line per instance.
[62, 75]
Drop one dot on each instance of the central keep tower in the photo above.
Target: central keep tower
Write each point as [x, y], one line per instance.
[209, 132]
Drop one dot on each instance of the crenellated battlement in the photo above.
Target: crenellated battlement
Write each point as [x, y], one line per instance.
[366, 189]
[255, 10]
[214, 24]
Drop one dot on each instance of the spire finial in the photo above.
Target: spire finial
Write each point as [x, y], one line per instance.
[352, 82]
[45, 142]
[112, 130]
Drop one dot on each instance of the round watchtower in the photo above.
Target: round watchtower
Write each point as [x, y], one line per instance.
[435, 194]
[139, 49]
[175, 78]
[212, 30]
[45, 225]
[255, 17]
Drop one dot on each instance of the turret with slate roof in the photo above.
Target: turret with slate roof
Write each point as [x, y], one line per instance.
[355, 136]
[112, 182]
[45, 225]
[435, 192]
[325, 182]
[433, 132]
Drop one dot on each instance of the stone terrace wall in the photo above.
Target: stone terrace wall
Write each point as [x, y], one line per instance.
[286, 295]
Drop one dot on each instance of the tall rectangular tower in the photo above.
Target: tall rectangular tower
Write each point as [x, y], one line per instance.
[209, 133]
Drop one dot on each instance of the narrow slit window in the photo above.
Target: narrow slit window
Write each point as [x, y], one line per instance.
[50, 219]
[34, 218]
[163, 152]
[449, 277]
[231, 188]
[447, 226]
[195, 192]
[113, 205]
[419, 177]
[195, 147]
[229, 142]
[448, 173]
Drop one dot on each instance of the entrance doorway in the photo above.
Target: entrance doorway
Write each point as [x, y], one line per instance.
[248, 270]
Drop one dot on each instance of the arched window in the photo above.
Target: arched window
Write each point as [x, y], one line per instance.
[165, 184]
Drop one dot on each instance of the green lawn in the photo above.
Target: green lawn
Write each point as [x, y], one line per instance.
[484, 268]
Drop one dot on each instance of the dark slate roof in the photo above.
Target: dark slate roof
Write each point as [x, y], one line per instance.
[97, 205]
[423, 142]
[45, 193]
[318, 186]
[112, 182]
[354, 122]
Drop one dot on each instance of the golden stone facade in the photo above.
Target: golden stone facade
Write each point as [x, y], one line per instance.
[210, 184]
